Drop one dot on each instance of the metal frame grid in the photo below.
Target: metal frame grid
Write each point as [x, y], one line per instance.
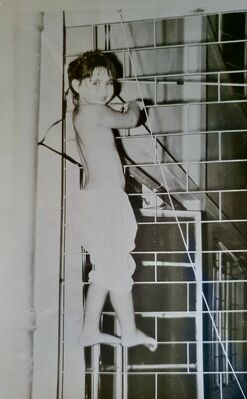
[121, 370]
[227, 311]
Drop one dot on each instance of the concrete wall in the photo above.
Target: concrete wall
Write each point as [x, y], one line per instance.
[47, 256]
[20, 94]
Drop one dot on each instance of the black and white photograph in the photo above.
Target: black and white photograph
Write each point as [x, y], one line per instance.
[123, 199]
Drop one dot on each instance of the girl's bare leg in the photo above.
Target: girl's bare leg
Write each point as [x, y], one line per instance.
[91, 333]
[124, 308]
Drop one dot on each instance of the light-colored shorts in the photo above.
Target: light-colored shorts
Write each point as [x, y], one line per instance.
[108, 228]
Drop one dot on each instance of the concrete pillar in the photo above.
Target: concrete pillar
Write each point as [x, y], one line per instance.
[17, 274]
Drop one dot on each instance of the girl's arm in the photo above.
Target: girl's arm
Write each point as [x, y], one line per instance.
[105, 116]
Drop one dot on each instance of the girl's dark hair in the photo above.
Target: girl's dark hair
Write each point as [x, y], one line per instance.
[83, 66]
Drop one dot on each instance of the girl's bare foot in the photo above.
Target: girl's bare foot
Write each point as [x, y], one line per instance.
[91, 338]
[139, 338]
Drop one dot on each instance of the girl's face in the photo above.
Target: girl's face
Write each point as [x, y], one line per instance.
[98, 89]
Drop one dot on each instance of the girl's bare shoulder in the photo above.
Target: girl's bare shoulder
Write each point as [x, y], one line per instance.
[87, 114]
[106, 117]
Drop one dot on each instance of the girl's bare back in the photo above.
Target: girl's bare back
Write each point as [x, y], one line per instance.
[99, 149]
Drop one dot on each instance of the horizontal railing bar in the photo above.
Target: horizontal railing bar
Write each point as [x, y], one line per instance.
[152, 20]
[213, 251]
[186, 133]
[184, 163]
[165, 46]
[221, 221]
[164, 372]
[159, 193]
[179, 314]
[160, 282]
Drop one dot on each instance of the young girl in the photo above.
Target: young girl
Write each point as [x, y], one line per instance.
[108, 225]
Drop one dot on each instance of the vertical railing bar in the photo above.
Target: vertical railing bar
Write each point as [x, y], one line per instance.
[218, 87]
[223, 326]
[106, 36]
[227, 326]
[156, 386]
[231, 325]
[118, 357]
[93, 38]
[188, 356]
[219, 144]
[155, 154]
[219, 27]
[199, 306]
[221, 387]
[220, 334]
[61, 293]
[155, 205]
[154, 31]
[220, 265]
[109, 36]
[125, 373]
[156, 327]
[187, 234]
[155, 267]
[187, 177]
[218, 327]
[220, 205]
[235, 323]
[155, 90]
[95, 354]
[212, 328]
[188, 118]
